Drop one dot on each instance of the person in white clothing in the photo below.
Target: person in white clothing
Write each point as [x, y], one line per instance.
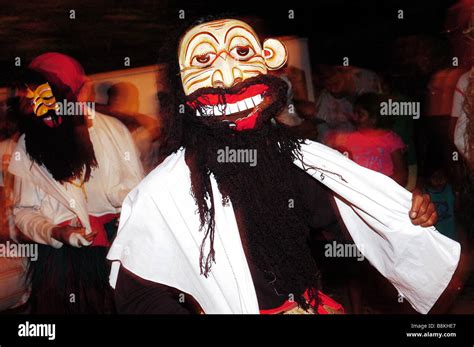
[72, 171]
[224, 220]
[459, 115]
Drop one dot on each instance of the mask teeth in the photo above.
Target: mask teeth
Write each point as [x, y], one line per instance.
[228, 109]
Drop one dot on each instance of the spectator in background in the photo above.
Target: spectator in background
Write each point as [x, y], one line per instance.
[463, 110]
[342, 85]
[404, 127]
[374, 147]
[442, 195]
[462, 117]
[422, 69]
[370, 145]
[458, 113]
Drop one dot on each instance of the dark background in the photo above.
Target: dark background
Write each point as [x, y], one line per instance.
[103, 33]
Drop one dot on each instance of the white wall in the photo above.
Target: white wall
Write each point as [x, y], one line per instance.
[143, 78]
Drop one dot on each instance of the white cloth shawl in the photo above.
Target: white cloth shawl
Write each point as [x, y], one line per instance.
[158, 236]
[111, 140]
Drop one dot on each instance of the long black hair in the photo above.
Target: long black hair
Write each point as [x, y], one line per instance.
[274, 233]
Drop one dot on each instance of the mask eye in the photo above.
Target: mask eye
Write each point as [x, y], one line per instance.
[242, 52]
[203, 60]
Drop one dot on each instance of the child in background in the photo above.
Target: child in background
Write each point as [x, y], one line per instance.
[376, 148]
[442, 195]
[371, 145]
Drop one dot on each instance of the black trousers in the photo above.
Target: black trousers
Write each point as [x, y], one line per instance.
[70, 280]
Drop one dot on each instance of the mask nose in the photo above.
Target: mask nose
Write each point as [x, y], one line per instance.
[226, 74]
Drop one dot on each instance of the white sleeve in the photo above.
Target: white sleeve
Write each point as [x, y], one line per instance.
[28, 218]
[460, 132]
[458, 97]
[419, 262]
[128, 168]
[458, 112]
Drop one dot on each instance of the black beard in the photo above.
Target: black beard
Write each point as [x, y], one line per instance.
[274, 234]
[66, 151]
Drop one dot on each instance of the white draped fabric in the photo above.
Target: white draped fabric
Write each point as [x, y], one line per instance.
[158, 236]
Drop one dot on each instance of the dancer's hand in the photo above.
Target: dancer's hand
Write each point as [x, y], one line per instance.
[423, 211]
[73, 236]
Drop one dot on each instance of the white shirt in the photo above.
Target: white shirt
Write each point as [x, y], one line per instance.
[337, 113]
[41, 202]
[159, 238]
[458, 112]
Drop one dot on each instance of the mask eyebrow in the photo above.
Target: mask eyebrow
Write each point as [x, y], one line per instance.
[241, 37]
[43, 90]
[196, 35]
[243, 28]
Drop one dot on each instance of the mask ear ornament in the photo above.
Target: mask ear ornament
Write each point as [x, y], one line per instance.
[274, 53]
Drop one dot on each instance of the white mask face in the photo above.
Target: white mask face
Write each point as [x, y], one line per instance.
[225, 52]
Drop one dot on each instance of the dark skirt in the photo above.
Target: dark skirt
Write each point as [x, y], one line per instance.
[71, 280]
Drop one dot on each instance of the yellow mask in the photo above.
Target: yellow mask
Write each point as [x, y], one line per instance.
[224, 52]
[43, 99]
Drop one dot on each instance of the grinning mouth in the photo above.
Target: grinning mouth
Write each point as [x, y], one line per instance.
[228, 109]
[240, 107]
